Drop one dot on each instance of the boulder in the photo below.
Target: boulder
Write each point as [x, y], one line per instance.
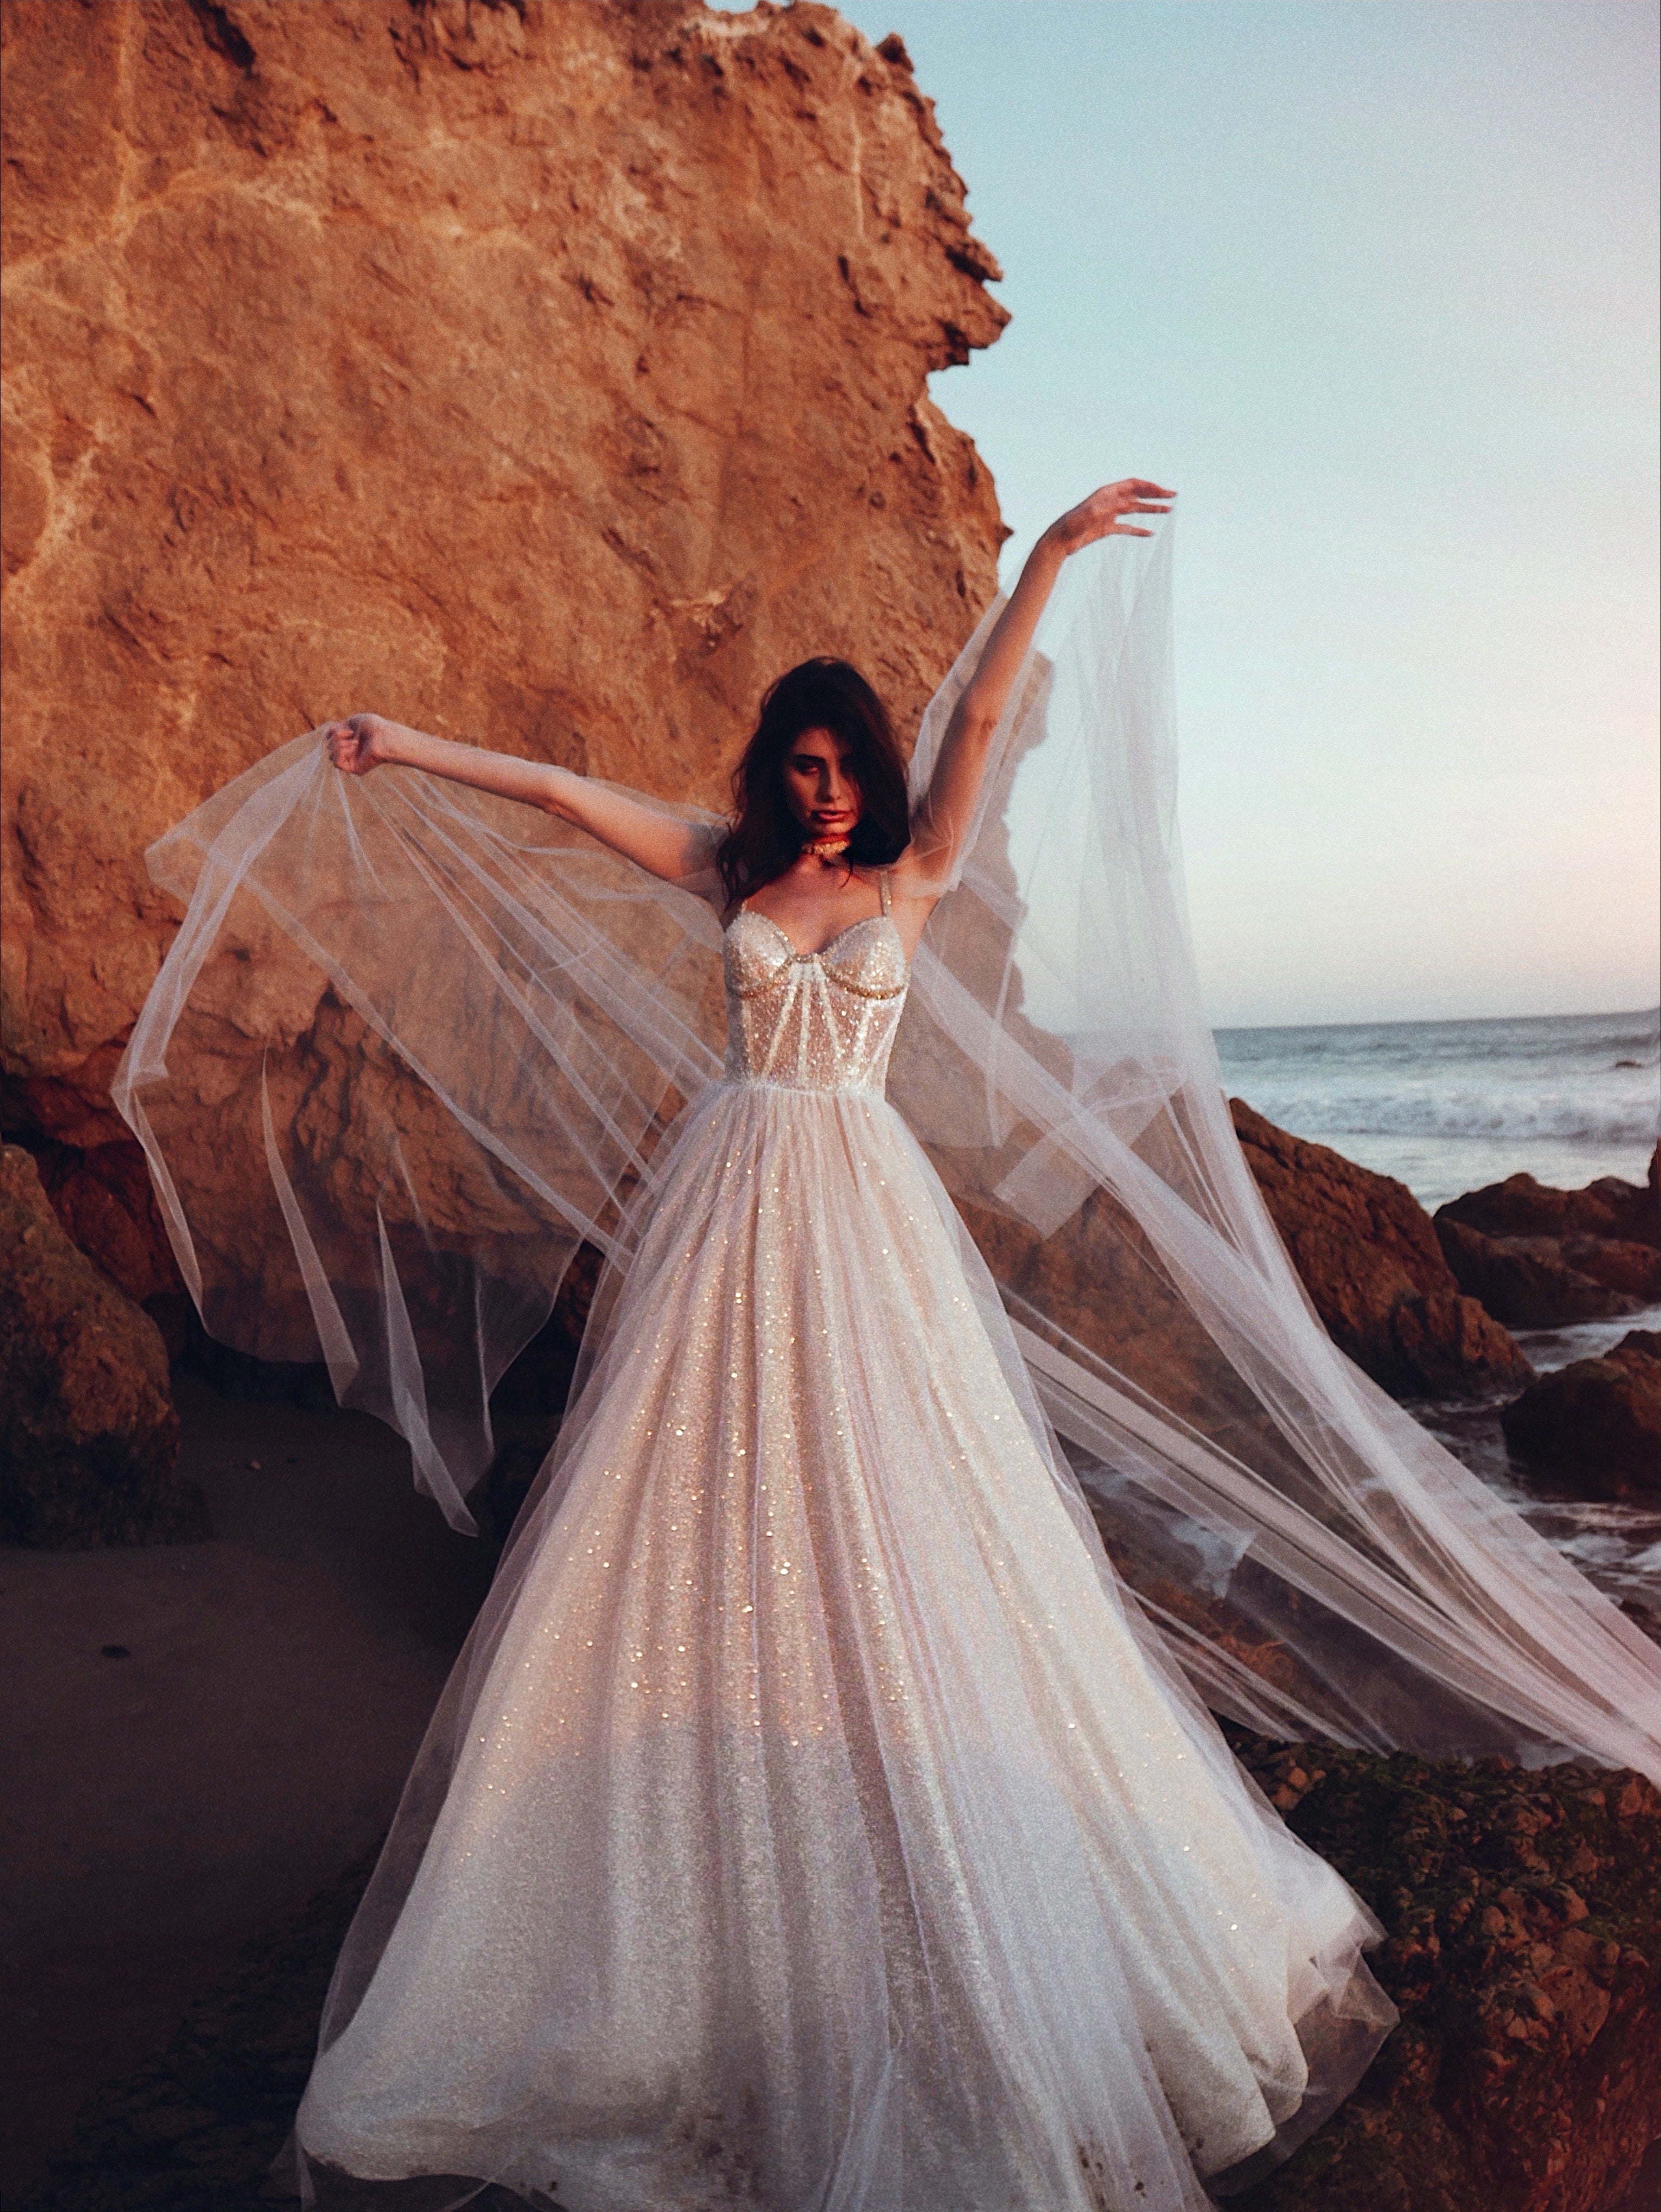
[1369, 1257]
[94, 1173]
[1521, 1911]
[1618, 1263]
[106, 1202]
[1529, 1282]
[1595, 1422]
[1628, 1211]
[1541, 1258]
[548, 372]
[90, 1433]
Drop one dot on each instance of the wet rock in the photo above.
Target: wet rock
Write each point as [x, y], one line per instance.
[90, 1435]
[1521, 1915]
[544, 372]
[1595, 1422]
[1618, 1263]
[1629, 1212]
[1529, 1282]
[1541, 1258]
[1369, 1257]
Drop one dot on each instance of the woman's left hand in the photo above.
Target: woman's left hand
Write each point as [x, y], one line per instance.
[1099, 516]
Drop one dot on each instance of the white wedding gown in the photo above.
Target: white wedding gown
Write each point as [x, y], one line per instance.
[825, 1835]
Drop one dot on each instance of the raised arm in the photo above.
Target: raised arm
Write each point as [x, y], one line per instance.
[947, 809]
[657, 842]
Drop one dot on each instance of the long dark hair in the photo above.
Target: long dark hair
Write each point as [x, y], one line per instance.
[765, 836]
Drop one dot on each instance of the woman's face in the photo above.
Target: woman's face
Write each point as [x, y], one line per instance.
[817, 787]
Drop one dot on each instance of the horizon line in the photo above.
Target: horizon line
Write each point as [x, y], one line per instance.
[1441, 1021]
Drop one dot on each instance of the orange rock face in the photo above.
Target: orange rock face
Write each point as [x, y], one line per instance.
[545, 372]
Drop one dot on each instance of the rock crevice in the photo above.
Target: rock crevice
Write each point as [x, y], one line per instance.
[88, 1429]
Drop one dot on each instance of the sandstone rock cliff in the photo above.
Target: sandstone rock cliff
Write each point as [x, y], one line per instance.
[547, 372]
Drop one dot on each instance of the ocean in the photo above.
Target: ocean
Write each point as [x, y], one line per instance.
[1449, 1106]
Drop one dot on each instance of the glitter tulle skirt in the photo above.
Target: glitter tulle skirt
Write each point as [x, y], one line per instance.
[816, 1830]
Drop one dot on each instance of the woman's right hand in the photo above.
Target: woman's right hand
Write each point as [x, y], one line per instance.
[360, 743]
[1099, 516]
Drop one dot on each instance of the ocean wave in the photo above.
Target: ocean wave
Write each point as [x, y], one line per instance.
[1574, 1119]
[1583, 1045]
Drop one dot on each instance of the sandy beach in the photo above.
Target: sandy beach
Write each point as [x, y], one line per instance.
[201, 1736]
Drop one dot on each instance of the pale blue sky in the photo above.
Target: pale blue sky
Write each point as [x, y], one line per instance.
[1373, 283]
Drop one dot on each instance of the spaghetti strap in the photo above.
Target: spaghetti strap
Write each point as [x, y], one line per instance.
[883, 891]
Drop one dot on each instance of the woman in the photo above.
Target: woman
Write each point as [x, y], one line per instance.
[810, 1820]
[831, 1835]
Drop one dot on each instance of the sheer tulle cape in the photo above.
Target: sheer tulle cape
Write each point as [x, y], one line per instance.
[413, 1045]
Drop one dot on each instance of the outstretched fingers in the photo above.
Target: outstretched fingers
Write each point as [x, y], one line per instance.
[1136, 496]
[1102, 514]
[1130, 529]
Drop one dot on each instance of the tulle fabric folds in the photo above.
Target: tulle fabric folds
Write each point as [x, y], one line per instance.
[1316, 1561]
[809, 1822]
[413, 1045]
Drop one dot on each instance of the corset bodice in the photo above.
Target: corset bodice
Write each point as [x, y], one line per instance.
[812, 1021]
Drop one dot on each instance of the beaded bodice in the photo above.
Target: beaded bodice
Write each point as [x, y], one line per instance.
[812, 1021]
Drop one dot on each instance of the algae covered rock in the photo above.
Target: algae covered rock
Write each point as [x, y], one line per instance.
[1521, 1913]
